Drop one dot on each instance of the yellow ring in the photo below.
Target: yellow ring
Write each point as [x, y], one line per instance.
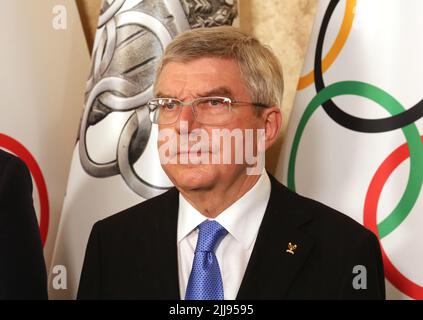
[337, 46]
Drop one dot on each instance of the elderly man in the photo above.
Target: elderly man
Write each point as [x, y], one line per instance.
[224, 231]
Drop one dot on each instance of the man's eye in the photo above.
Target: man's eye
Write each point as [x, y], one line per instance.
[215, 102]
[169, 105]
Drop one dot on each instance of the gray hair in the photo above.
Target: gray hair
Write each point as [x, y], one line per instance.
[259, 66]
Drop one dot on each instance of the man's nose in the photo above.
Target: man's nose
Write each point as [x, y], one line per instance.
[186, 120]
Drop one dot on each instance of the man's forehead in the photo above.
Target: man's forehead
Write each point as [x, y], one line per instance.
[200, 77]
[208, 66]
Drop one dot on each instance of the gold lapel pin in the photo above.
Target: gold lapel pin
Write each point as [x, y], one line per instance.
[291, 248]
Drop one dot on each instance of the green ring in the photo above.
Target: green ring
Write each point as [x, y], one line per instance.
[390, 104]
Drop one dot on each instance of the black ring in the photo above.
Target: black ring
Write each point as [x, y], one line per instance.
[344, 119]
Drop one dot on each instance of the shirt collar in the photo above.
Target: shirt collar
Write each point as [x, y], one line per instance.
[242, 219]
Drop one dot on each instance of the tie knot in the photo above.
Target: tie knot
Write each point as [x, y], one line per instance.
[210, 234]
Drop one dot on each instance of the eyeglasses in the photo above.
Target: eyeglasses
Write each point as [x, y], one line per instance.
[206, 110]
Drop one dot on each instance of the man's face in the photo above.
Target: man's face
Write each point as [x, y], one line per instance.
[201, 78]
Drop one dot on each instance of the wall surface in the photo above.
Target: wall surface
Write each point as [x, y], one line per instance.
[89, 10]
[285, 26]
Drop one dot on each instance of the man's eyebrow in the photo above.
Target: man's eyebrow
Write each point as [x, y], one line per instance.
[219, 91]
[163, 95]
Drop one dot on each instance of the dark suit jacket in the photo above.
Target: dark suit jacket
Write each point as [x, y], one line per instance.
[22, 269]
[133, 254]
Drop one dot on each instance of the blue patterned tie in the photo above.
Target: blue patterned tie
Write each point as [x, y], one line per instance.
[205, 280]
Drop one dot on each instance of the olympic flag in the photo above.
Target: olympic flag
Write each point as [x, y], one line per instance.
[354, 138]
[115, 162]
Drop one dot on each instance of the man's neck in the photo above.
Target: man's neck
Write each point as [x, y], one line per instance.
[212, 202]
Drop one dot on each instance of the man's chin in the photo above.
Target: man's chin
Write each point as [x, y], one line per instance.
[191, 176]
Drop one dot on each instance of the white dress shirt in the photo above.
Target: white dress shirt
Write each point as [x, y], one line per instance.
[242, 221]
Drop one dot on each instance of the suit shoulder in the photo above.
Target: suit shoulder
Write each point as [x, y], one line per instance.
[331, 219]
[329, 223]
[324, 218]
[142, 214]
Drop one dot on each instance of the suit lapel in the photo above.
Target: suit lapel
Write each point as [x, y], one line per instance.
[167, 249]
[272, 269]
[162, 269]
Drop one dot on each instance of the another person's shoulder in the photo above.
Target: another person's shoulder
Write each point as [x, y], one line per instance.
[142, 215]
[6, 156]
[14, 175]
[10, 163]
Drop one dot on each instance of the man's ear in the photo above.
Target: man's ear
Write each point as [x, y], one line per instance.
[272, 125]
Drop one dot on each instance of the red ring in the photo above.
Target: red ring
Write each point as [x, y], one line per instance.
[19, 150]
[382, 174]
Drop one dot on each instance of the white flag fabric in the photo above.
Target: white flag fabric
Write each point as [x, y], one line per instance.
[354, 137]
[43, 67]
[115, 163]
